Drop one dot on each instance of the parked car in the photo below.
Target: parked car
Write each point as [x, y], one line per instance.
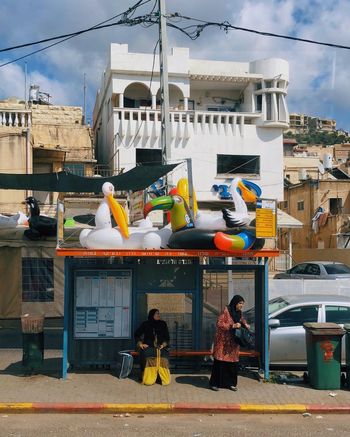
[316, 270]
[286, 318]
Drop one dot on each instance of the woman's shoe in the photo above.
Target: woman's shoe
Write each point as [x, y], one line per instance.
[233, 388]
[212, 387]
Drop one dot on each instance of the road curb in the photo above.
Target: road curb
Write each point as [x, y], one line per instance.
[178, 407]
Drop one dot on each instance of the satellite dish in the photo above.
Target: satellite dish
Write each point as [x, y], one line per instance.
[321, 168]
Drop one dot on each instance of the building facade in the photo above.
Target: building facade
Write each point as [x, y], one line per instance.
[228, 117]
[41, 138]
[303, 123]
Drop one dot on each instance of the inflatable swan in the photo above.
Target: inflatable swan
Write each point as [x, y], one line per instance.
[104, 236]
[241, 193]
[203, 232]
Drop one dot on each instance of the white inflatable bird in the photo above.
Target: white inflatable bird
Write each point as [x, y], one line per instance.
[226, 219]
[104, 236]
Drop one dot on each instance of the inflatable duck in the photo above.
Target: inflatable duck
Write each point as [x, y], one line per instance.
[104, 236]
[39, 225]
[202, 232]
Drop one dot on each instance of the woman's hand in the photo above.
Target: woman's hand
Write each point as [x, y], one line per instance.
[163, 345]
[247, 326]
[143, 346]
[236, 325]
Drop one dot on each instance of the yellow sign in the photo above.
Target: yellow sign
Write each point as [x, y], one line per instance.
[266, 218]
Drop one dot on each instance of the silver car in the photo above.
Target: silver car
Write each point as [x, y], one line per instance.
[316, 270]
[286, 318]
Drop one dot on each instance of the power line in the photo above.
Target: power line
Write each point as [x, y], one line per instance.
[124, 21]
[80, 32]
[194, 31]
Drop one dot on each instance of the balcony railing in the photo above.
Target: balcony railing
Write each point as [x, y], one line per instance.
[182, 122]
[12, 117]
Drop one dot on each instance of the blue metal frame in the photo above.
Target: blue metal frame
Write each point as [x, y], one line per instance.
[261, 302]
[65, 319]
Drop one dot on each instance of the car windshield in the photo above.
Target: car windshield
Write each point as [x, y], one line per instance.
[335, 269]
[274, 305]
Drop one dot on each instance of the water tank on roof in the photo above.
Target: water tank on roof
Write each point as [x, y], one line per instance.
[34, 93]
[327, 160]
[302, 174]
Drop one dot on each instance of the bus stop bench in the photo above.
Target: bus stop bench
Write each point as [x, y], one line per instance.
[205, 353]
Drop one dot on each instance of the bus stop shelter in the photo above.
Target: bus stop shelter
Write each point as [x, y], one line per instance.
[105, 296]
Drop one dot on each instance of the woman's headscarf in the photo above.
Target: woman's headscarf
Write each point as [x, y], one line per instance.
[236, 315]
[151, 316]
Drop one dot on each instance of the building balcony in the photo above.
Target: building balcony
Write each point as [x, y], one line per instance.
[15, 117]
[183, 124]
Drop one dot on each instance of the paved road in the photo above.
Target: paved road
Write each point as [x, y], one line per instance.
[242, 425]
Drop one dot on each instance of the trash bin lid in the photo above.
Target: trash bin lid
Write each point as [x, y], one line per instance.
[326, 328]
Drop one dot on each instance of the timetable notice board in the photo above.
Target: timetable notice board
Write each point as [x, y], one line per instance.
[102, 304]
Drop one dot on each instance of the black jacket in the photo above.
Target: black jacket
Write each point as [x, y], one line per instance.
[149, 332]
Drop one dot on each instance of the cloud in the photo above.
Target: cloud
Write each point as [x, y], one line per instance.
[318, 75]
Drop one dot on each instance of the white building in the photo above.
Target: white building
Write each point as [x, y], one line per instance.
[227, 116]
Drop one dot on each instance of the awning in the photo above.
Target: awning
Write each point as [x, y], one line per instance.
[135, 179]
[285, 220]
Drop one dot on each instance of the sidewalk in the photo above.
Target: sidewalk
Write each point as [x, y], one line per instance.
[100, 391]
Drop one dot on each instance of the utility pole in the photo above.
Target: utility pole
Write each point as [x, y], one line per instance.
[164, 86]
[84, 101]
[25, 86]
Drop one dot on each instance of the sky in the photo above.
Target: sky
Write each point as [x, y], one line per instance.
[319, 76]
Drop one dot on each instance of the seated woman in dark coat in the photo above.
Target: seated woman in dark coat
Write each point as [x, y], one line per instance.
[152, 339]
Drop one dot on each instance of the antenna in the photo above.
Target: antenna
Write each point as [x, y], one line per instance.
[84, 101]
[25, 85]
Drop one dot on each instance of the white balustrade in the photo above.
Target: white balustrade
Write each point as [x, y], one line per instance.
[10, 117]
[145, 122]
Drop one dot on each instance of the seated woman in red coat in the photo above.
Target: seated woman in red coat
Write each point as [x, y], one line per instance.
[226, 350]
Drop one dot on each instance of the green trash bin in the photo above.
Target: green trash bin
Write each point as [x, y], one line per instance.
[32, 341]
[323, 350]
[347, 354]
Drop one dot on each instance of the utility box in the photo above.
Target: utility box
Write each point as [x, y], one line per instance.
[323, 350]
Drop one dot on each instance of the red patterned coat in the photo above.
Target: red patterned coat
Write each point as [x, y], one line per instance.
[225, 348]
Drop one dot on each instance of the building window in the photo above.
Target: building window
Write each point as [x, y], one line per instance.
[259, 102]
[300, 205]
[148, 157]
[238, 164]
[190, 104]
[268, 107]
[37, 280]
[74, 168]
[335, 206]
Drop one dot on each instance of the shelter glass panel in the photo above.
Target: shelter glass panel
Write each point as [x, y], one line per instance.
[170, 274]
[218, 289]
[176, 310]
